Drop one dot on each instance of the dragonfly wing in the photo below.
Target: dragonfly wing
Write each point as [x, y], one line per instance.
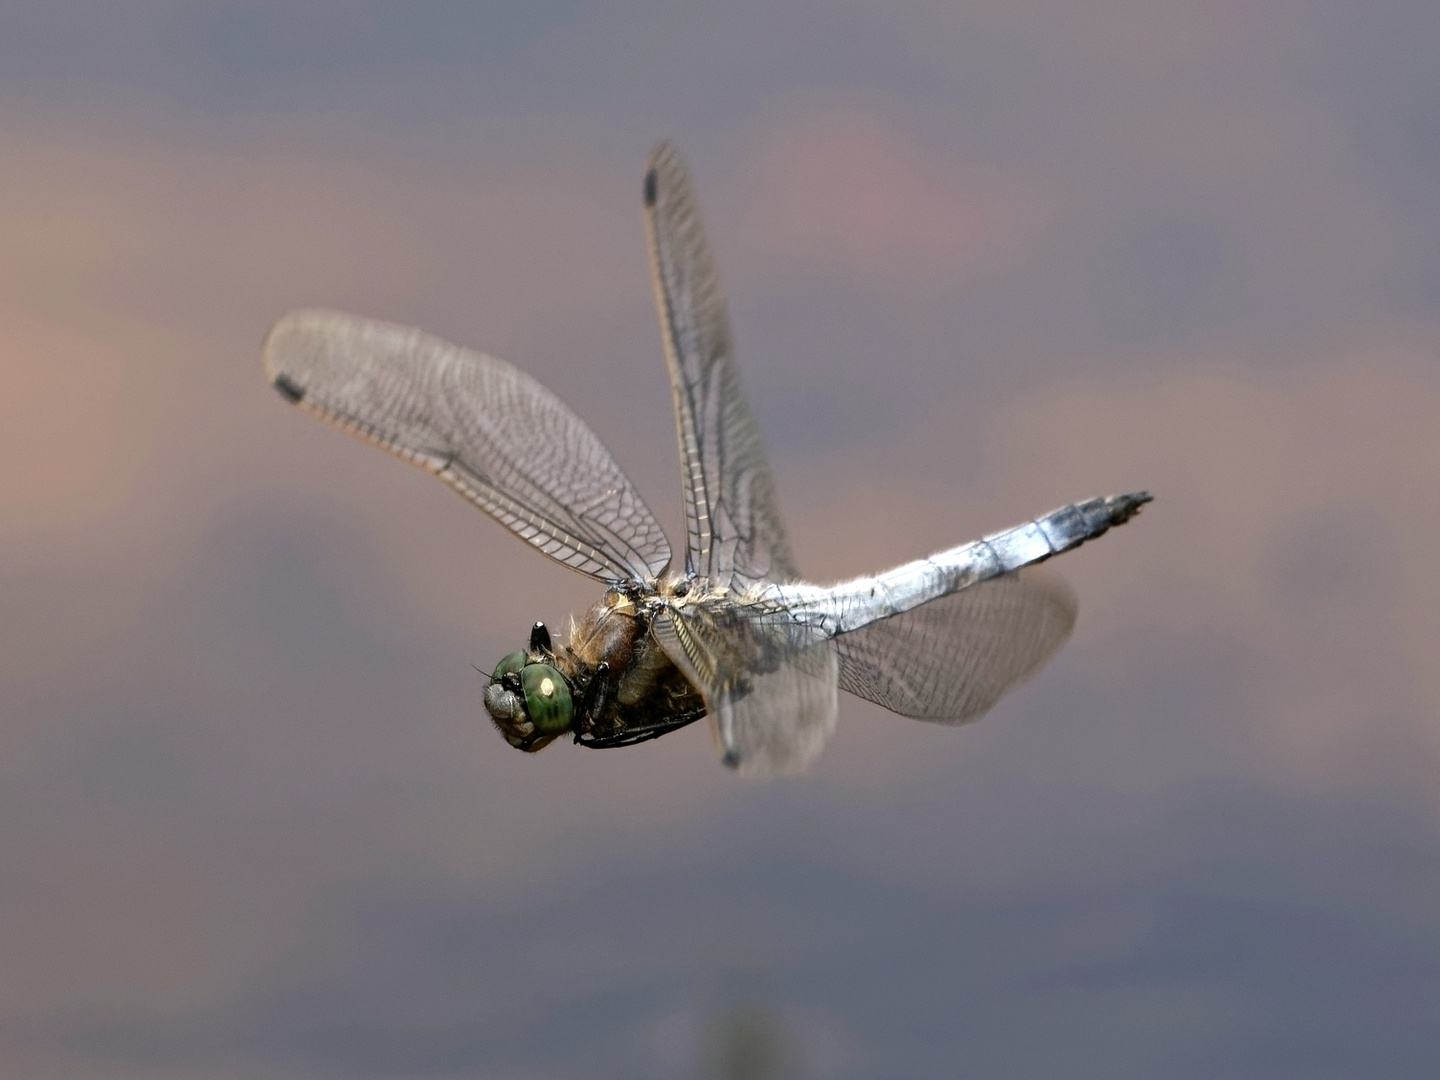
[952, 658]
[769, 685]
[487, 429]
[782, 724]
[734, 534]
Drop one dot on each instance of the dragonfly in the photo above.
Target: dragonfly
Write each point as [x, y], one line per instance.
[735, 634]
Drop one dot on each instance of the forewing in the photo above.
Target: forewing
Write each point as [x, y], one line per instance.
[488, 430]
[769, 687]
[949, 660]
[734, 535]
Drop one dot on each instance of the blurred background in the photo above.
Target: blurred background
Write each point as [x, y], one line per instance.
[983, 260]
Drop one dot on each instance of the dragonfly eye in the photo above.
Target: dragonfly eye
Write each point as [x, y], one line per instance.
[547, 699]
[509, 663]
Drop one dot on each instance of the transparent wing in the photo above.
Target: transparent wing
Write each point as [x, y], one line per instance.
[488, 430]
[769, 684]
[734, 535]
[950, 659]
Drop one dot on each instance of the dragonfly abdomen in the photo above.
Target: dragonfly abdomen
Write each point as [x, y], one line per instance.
[847, 607]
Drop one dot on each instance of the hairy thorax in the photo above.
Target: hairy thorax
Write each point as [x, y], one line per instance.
[645, 686]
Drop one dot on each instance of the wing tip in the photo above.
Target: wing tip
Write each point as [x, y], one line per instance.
[664, 158]
[273, 348]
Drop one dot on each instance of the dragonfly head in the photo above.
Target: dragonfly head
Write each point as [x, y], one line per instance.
[528, 698]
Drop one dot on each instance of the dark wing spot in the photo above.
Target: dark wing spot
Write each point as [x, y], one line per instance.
[288, 390]
[650, 186]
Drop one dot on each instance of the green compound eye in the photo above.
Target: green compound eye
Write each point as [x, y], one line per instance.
[547, 699]
[509, 662]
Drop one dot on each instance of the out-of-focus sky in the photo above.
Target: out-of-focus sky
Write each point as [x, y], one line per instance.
[983, 259]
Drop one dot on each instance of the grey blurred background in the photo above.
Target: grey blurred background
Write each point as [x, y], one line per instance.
[983, 259]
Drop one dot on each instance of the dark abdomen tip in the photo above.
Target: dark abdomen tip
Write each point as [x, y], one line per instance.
[1123, 507]
[650, 188]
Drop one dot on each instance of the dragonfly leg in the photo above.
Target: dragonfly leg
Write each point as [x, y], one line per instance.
[592, 701]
